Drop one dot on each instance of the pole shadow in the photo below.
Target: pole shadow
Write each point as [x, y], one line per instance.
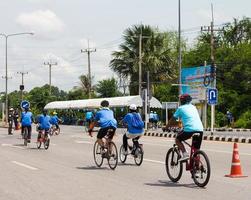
[93, 167]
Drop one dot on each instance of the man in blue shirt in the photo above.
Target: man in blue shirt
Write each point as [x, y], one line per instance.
[54, 120]
[105, 118]
[26, 121]
[88, 118]
[44, 122]
[135, 127]
[191, 122]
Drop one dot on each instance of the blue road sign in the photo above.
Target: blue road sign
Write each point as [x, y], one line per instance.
[212, 96]
[25, 104]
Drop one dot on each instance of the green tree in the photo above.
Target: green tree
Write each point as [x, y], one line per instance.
[108, 88]
[159, 55]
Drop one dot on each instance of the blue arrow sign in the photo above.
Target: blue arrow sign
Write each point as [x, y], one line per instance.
[212, 96]
[25, 104]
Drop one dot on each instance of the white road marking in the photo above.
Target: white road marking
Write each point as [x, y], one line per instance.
[83, 142]
[154, 161]
[24, 165]
[13, 146]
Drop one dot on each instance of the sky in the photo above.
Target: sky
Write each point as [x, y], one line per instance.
[62, 28]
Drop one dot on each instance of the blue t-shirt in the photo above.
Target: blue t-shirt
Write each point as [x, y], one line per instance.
[128, 120]
[155, 117]
[88, 115]
[190, 118]
[151, 116]
[106, 118]
[26, 118]
[54, 120]
[44, 122]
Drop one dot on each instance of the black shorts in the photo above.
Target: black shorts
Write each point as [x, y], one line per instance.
[182, 136]
[103, 132]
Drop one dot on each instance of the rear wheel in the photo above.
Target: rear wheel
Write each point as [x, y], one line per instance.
[138, 156]
[201, 168]
[39, 143]
[47, 142]
[122, 154]
[174, 168]
[25, 136]
[97, 154]
[112, 155]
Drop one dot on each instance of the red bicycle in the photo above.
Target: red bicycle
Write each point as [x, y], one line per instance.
[198, 164]
[43, 137]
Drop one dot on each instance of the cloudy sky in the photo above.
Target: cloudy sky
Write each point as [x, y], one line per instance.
[63, 27]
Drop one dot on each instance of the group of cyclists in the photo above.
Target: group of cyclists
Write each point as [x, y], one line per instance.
[187, 113]
[43, 121]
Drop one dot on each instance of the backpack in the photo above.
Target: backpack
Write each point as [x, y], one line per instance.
[137, 121]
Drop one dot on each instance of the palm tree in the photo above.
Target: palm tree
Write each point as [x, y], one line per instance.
[157, 55]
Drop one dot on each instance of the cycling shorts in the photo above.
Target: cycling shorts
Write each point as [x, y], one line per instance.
[104, 131]
[182, 136]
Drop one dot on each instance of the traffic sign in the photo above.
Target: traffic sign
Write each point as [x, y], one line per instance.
[25, 104]
[212, 96]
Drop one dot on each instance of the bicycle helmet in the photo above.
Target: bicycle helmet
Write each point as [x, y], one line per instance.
[185, 98]
[133, 107]
[104, 103]
[54, 113]
[11, 109]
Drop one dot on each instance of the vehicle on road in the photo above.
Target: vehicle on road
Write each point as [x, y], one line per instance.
[54, 130]
[43, 137]
[109, 151]
[136, 152]
[198, 164]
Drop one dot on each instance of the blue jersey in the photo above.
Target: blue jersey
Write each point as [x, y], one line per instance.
[128, 120]
[105, 118]
[26, 118]
[54, 120]
[44, 122]
[190, 118]
[151, 116]
[88, 115]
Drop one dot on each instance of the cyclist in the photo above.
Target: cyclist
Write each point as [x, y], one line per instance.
[105, 118]
[44, 122]
[191, 122]
[88, 117]
[26, 121]
[55, 120]
[135, 127]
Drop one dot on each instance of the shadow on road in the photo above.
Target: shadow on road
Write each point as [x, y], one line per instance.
[172, 184]
[127, 164]
[93, 168]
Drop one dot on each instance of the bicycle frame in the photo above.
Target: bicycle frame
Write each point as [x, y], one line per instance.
[189, 163]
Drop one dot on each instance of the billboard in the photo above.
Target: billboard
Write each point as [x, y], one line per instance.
[193, 81]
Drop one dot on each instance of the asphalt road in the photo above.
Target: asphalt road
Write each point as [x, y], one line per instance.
[67, 171]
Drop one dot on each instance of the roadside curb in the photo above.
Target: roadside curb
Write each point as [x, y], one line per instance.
[205, 137]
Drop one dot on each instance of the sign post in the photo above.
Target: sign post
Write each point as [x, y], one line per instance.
[212, 98]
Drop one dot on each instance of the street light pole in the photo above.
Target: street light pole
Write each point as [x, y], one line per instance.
[6, 68]
[179, 46]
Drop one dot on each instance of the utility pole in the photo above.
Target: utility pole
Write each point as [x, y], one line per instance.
[210, 29]
[179, 46]
[89, 51]
[50, 64]
[22, 83]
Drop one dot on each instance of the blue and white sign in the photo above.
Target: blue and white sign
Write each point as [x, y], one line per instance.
[212, 96]
[25, 104]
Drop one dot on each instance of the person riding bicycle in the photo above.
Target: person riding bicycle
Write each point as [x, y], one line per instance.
[26, 122]
[105, 118]
[191, 122]
[44, 122]
[135, 127]
[10, 120]
[55, 120]
[88, 117]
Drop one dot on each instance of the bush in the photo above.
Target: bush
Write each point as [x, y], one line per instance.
[245, 120]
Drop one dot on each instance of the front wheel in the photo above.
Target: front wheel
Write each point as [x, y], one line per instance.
[138, 156]
[201, 168]
[47, 143]
[174, 168]
[97, 154]
[113, 155]
[122, 154]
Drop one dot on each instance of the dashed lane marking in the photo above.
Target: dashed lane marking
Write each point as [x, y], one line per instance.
[83, 142]
[24, 165]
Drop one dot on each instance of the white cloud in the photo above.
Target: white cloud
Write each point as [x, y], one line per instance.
[44, 21]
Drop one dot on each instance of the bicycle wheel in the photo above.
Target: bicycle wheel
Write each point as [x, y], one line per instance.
[138, 156]
[39, 143]
[174, 168]
[201, 168]
[47, 143]
[57, 131]
[97, 153]
[10, 128]
[112, 155]
[122, 155]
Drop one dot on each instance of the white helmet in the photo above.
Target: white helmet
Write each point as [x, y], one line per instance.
[133, 107]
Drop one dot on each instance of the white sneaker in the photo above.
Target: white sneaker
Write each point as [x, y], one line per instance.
[184, 157]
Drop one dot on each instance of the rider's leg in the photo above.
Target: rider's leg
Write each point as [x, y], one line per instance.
[101, 133]
[182, 136]
[135, 141]
[125, 142]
